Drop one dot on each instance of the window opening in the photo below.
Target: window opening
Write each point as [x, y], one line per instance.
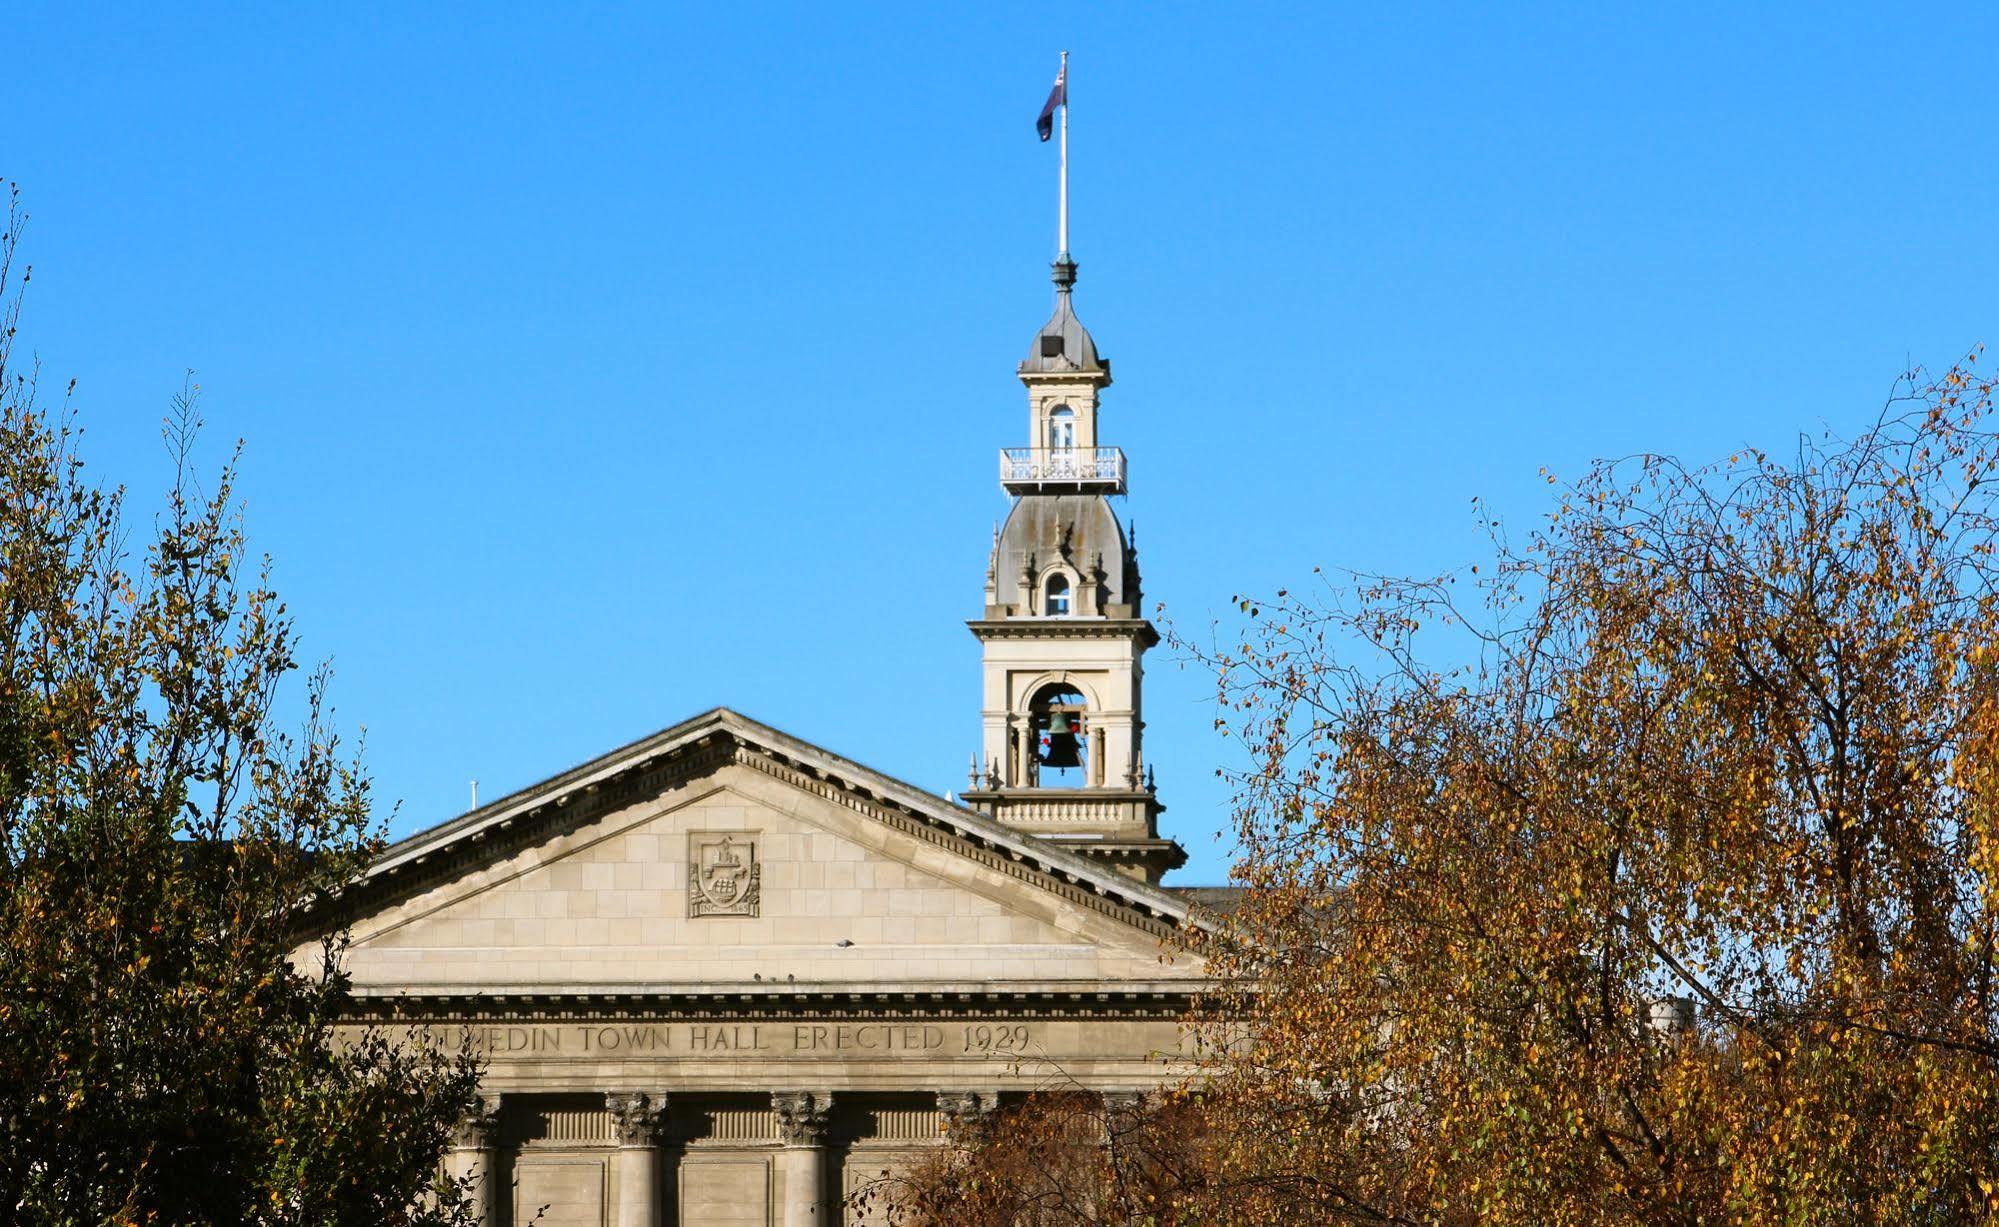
[1062, 429]
[1055, 602]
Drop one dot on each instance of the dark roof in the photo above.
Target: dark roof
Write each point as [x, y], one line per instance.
[1063, 346]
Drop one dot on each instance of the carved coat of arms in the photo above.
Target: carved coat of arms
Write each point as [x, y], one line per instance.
[722, 875]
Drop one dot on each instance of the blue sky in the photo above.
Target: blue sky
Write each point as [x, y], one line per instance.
[598, 365]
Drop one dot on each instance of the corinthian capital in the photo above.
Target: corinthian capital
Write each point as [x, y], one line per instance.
[636, 1116]
[478, 1129]
[801, 1116]
[963, 1109]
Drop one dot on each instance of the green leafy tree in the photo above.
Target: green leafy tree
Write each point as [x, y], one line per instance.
[163, 1058]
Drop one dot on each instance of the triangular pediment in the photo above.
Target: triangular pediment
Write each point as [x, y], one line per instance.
[724, 856]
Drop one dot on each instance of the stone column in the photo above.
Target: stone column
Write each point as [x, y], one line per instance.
[474, 1155]
[962, 1110]
[801, 1122]
[1121, 1109]
[635, 1115]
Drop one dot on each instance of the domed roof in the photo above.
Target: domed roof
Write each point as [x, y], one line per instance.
[1063, 346]
[1077, 531]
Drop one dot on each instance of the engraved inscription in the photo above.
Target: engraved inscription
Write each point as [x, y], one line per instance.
[860, 1037]
[996, 1038]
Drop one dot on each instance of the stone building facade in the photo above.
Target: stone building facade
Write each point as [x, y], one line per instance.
[722, 976]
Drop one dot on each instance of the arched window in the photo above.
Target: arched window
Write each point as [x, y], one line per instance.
[1062, 429]
[1055, 600]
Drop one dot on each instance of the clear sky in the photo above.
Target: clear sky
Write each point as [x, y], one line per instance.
[599, 365]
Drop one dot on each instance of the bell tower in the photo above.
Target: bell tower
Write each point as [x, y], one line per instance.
[1063, 635]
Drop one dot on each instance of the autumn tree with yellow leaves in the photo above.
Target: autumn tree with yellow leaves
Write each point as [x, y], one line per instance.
[1644, 873]
[1056, 1159]
[163, 835]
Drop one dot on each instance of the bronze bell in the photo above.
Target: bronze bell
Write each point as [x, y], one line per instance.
[1059, 745]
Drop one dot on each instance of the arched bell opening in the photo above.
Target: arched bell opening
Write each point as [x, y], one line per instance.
[1059, 718]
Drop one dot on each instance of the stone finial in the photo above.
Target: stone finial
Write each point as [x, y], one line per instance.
[635, 1115]
[478, 1129]
[801, 1116]
[963, 1109]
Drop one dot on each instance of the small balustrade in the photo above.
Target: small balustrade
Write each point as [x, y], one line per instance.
[1026, 469]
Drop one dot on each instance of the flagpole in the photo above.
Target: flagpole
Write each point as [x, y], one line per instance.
[1062, 225]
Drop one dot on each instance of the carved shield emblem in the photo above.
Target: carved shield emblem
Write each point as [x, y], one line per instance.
[722, 874]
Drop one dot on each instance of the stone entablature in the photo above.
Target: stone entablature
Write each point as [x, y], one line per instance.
[1021, 1051]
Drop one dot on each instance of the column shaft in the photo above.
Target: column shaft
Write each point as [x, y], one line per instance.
[638, 1186]
[804, 1180]
[475, 1154]
[635, 1170]
[801, 1121]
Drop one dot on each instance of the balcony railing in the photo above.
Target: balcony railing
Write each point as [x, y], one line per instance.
[1095, 468]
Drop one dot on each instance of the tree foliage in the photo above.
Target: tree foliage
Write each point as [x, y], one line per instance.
[1644, 873]
[1059, 1159]
[161, 1058]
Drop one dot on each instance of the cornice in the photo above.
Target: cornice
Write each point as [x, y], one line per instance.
[1167, 851]
[1065, 628]
[448, 1003]
[1100, 377]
